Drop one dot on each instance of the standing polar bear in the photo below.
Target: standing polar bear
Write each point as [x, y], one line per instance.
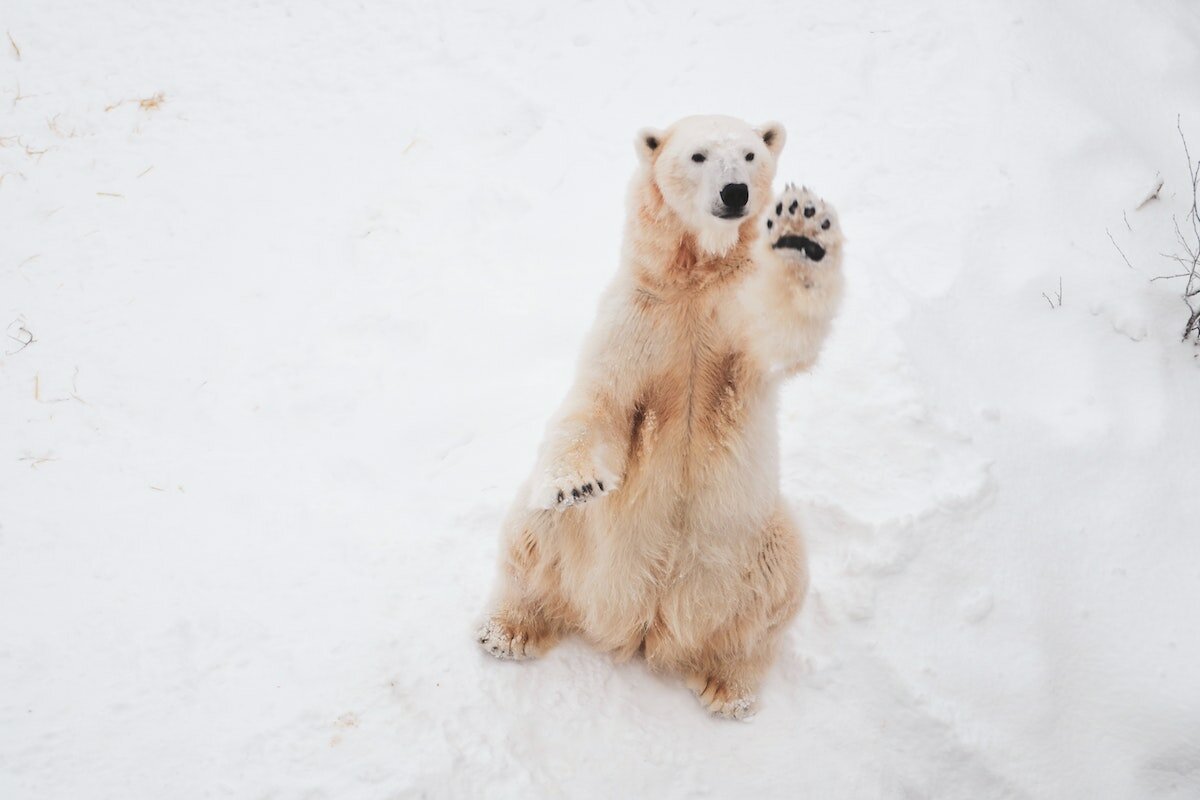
[653, 520]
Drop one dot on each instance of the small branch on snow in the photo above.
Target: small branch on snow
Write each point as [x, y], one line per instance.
[1119, 250]
[1057, 297]
[13, 42]
[1190, 244]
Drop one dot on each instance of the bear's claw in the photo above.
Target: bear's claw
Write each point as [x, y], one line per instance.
[572, 490]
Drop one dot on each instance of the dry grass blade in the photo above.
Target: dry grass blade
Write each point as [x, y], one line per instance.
[152, 103]
[1058, 296]
[13, 42]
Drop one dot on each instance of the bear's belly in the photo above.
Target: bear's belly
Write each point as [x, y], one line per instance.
[697, 493]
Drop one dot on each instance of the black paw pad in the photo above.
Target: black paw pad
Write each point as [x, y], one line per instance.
[825, 225]
[814, 251]
[770, 224]
[809, 211]
[779, 209]
[792, 208]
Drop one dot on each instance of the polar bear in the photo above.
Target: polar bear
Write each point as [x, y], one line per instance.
[653, 521]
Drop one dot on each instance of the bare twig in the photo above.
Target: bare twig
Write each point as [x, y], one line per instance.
[1057, 296]
[1190, 244]
[1181, 238]
[1119, 250]
[13, 42]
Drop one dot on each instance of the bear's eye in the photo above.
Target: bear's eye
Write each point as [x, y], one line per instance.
[698, 158]
[749, 156]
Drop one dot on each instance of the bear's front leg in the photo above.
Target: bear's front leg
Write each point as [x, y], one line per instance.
[797, 289]
[573, 478]
[516, 634]
[580, 460]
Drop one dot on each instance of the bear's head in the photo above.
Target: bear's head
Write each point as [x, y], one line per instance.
[713, 172]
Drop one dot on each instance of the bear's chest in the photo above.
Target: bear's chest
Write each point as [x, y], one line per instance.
[698, 384]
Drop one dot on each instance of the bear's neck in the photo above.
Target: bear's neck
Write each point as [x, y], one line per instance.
[666, 257]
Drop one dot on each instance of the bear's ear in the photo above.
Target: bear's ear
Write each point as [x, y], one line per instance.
[648, 144]
[773, 136]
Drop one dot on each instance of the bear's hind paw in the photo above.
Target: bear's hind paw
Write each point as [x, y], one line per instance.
[722, 700]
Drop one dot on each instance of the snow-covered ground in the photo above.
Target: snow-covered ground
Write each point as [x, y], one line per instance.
[298, 322]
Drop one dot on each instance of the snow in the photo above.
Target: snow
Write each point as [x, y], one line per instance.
[298, 327]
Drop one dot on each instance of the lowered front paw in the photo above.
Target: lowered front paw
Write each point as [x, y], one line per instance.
[803, 230]
[560, 491]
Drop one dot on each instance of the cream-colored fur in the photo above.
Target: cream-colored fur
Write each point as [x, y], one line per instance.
[653, 520]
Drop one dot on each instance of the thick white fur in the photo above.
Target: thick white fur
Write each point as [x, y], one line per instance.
[652, 521]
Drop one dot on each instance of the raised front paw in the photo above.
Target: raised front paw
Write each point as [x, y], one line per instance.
[802, 228]
[562, 491]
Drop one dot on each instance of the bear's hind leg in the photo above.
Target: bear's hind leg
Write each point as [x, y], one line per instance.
[727, 673]
[529, 617]
[729, 697]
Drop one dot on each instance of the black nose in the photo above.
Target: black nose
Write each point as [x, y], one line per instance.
[735, 195]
